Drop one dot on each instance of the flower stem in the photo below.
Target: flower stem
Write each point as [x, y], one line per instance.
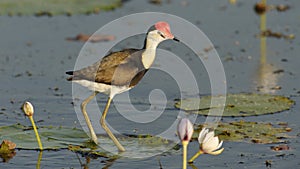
[195, 156]
[184, 144]
[36, 133]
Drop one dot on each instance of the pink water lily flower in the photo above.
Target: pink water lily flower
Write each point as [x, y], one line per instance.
[185, 131]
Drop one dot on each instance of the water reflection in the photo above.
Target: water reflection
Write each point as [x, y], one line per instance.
[109, 162]
[7, 156]
[263, 28]
[38, 164]
[7, 150]
[192, 166]
[85, 165]
[267, 78]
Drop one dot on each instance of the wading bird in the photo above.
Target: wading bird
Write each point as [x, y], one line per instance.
[118, 72]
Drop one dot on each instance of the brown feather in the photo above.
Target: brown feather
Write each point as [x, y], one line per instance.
[118, 68]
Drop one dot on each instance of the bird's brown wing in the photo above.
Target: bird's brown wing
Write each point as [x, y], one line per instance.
[124, 73]
[115, 58]
[117, 68]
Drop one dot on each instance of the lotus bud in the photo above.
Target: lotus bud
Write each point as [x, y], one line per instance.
[28, 109]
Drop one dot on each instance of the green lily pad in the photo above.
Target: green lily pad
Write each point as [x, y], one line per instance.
[136, 146]
[52, 137]
[54, 7]
[238, 104]
[251, 132]
[56, 138]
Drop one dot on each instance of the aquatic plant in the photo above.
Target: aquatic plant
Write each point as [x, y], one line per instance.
[185, 131]
[209, 144]
[29, 111]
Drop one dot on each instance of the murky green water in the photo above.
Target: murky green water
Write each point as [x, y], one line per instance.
[34, 56]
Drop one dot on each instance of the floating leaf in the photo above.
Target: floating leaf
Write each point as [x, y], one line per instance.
[239, 104]
[54, 7]
[7, 150]
[55, 138]
[91, 38]
[51, 137]
[280, 147]
[7, 146]
[91, 152]
[252, 132]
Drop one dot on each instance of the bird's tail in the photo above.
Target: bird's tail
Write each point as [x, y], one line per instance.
[70, 73]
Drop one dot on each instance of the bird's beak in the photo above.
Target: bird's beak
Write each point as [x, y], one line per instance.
[175, 39]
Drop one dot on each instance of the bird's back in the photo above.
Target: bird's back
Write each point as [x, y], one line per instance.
[117, 68]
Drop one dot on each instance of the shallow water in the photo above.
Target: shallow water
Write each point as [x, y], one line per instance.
[34, 56]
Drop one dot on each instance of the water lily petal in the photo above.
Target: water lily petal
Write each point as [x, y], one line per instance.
[190, 130]
[202, 135]
[28, 109]
[217, 152]
[211, 144]
[181, 128]
[220, 145]
[185, 129]
[208, 136]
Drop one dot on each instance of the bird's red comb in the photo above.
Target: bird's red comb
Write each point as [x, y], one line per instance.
[165, 28]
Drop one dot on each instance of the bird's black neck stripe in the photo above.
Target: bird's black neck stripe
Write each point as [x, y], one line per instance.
[152, 28]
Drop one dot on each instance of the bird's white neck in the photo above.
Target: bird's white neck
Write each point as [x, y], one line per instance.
[148, 55]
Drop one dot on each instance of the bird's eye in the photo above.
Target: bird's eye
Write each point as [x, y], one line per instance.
[161, 34]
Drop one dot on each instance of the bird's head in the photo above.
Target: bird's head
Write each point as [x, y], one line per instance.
[160, 31]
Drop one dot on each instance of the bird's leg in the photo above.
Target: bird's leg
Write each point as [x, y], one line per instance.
[86, 117]
[104, 126]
